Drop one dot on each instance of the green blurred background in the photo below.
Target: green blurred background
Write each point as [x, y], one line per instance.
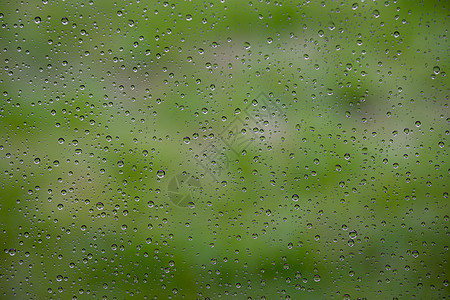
[224, 149]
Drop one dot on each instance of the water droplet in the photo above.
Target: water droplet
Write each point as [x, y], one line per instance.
[160, 174]
[376, 13]
[65, 21]
[436, 70]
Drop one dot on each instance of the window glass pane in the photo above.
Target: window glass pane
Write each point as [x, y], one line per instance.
[224, 149]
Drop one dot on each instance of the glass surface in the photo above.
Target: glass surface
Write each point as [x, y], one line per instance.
[224, 149]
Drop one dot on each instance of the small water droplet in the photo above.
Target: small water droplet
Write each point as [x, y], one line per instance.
[436, 70]
[376, 13]
[160, 174]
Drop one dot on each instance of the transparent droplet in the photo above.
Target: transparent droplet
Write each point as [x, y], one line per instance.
[65, 21]
[376, 13]
[160, 174]
[436, 70]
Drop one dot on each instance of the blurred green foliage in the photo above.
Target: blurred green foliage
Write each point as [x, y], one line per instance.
[246, 149]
